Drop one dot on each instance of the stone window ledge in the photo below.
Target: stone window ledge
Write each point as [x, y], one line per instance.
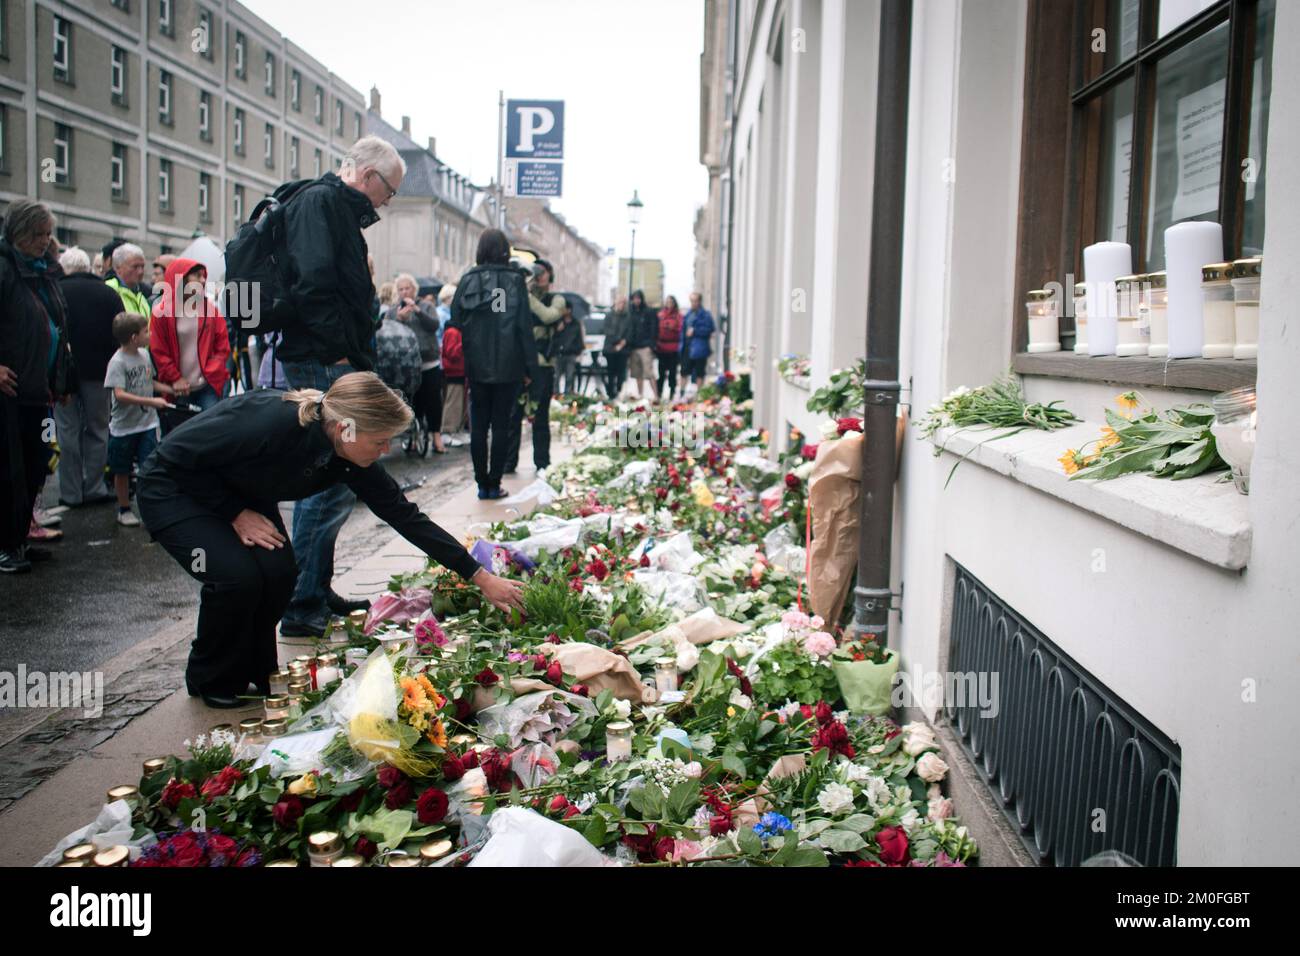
[1199, 516]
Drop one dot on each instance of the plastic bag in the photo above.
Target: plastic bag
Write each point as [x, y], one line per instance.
[544, 716]
[522, 837]
[671, 589]
[558, 535]
[865, 685]
[111, 828]
[676, 554]
[753, 469]
[539, 491]
[398, 608]
[642, 472]
[783, 549]
[534, 764]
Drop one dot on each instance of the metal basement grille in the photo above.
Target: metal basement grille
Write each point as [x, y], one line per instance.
[1061, 746]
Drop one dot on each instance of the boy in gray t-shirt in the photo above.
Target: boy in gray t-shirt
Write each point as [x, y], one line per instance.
[133, 421]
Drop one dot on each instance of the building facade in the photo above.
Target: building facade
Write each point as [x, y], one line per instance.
[153, 121]
[648, 276]
[532, 224]
[1143, 630]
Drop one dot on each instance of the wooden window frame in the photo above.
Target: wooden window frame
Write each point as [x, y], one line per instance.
[118, 191]
[64, 73]
[119, 97]
[1059, 175]
[165, 174]
[240, 54]
[63, 174]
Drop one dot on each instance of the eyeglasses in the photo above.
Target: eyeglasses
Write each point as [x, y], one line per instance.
[391, 191]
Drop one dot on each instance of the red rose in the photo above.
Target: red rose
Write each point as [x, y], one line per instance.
[862, 863]
[222, 783]
[399, 796]
[552, 638]
[185, 852]
[824, 712]
[220, 845]
[432, 806]
[598, 569]
[175, 791]
[792, 481]
[287, 811]
[539, 662]
[576, 585]
[389, 777]
[806, 711]
[558, 803]
[555, 673]
[845, 425]
[644, 562]
[366, 847]
[571, 812]
[463, 710]
[469, 759]
[348, 803]
[248, 857]
[720, 824]
[579, 689]
[496, 768]
[486, 677]
[453, 768]
[809, 452]
[893, 845]
[664, 848]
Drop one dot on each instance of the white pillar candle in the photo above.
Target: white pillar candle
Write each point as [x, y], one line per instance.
[1188, 246]
[1103, 263]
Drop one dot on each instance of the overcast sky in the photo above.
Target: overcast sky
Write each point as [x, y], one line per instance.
[627, 71]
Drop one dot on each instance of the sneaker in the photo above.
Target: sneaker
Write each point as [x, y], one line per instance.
[37, 533]
[127, 519]
[13, 562]
[341, 605]
[46, 519]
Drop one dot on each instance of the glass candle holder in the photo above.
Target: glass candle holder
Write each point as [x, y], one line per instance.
[279, 681]
[127, 792]
[1219, 312]
[1081, 318]
[324, 847]
[274, 727]
[618, 741]
[251, 727]
[350, 860]
[152, 766]
[327, 670]
[354, 657]
[113, 856]
[400, 859]
[1130, 340]
[1246, 274]
[1233, 429]
[435, 850]
[665, 674]
[1157, 306]
[1044, 321]
[81, 853]
[276, 706]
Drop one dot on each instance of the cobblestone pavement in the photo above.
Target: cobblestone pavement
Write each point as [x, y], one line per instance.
[126, 607]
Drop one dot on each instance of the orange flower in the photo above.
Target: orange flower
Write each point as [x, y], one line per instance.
[1127, 400]
[437, 734]
[1108, 437]
[427, 686]
[412, 694]
[1069, 461]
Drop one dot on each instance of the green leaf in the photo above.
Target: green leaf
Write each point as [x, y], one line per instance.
[814, 827]
[683, 798]
[734, 764]
[1140, 459]
[809, 857]
[858, 822]
[749, 842]
[842, 841]
[596, 831]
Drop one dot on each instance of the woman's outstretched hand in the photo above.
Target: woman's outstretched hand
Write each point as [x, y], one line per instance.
[256, 529]
[502, 593]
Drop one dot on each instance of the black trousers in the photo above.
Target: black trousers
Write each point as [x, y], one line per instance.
[23, 460]
[428, 400]
[491, 407]
[667, 372]
[617, 374]
[540, 392]
[245, 591]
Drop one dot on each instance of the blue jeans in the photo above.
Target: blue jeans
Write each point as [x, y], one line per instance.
[316, 520]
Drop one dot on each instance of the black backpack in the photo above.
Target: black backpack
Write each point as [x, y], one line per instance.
[259, 274]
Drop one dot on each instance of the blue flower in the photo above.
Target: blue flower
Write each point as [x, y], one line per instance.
[771, 824]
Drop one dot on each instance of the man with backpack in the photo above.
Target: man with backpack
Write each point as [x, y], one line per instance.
[310, 259]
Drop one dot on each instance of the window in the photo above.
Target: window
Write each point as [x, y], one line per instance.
[241, 52]
[165, 185]
[357, 125]
[295, 90]
[117, 75]
[338, 117]
[205, 34]
[118, 172]
[238, 136]
[268, 146]
[205, 116]
[237, 206]
[316, 165]
[123, 5]
[1171, 97]
[293, 156]
[270, 74]
[164, 97]
[165, 17]
[62, 154]
[205, 191]
[318, 105]
[62, 50]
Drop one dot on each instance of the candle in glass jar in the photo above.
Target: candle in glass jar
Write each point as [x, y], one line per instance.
[618, 741]
[153, 765]
[1157, 303]
[354, 657]
[1044, 321]
[1129, 338]
[276, 706]
[274, 727]
[327, 670]
[1103, 263]
[127, 792]
[324, 847]
[279, 681]
[1219, 311]
[113, 856]
[1188, 246]
[251, 727]
[1245, 290]
[665, 674]
[81, 853]
[1233, 429]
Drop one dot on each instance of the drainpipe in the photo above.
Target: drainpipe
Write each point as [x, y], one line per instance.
[873, 596]
[728, 182]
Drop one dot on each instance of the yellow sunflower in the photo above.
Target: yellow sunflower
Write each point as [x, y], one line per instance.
[1108, 437]
[1069, 461]
[1127, 400]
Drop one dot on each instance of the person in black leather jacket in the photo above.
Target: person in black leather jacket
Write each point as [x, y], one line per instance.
[491, 311]
[209, 495]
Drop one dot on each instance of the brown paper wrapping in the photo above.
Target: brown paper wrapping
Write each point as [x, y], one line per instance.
[833, 497]
[698, 628]
[600, 670]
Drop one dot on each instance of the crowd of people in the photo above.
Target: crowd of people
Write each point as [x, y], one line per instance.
[131, 375]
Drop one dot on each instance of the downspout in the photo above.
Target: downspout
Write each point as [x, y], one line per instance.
[873, 595]
[733, 30]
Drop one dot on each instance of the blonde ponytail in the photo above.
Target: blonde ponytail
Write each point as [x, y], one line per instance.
[359, 398]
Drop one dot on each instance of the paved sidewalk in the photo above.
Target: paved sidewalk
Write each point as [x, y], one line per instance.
[52, 790]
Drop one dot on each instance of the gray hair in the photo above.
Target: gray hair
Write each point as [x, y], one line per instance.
[371, 152]
[125, 253]
[406, 277]
[75, 259]
[24, 217]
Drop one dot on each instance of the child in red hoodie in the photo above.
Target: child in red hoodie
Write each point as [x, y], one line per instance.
[191, 345]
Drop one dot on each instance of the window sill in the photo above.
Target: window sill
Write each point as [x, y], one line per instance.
[1210, 375]
[1199, 516]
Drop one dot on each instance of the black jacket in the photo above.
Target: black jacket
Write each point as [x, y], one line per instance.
[25, 328]
[331, 289]
[91, 307]
[491, 310]
[642, 327]
[250, 452]
[570, 340]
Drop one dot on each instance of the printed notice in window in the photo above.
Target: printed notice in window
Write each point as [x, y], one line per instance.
[1200, 150]
[1121, 163]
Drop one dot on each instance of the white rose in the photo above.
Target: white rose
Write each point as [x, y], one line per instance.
[940, 809]
[910, 820]
[857, 773]
[829, 430]
[877, 791]
[835, 799]
[623, 707]
[704, 744]
[931, 768]
[805, 470]
[918, 738]
[688, 656]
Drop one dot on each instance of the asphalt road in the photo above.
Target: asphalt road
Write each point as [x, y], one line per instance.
[107, 588]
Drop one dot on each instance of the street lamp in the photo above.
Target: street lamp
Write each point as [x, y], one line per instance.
[633, 218]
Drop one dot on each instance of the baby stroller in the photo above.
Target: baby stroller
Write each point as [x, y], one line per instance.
[398, 364]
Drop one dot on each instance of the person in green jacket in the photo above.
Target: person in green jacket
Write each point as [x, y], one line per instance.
[128, 270]
[548, 309]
